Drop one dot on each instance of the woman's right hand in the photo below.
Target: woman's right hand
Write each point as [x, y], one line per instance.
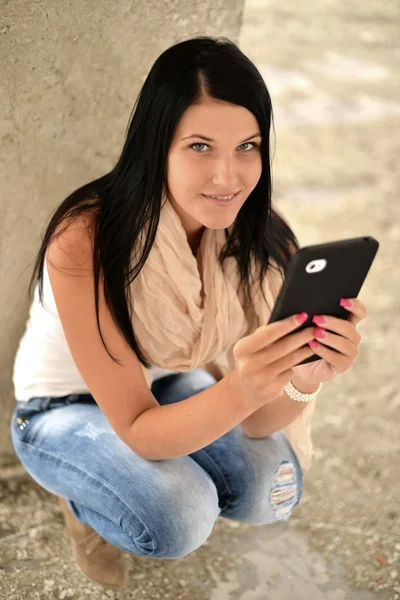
[263, 360]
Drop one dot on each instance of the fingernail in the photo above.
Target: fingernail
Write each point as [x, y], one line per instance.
[301, 317]
[318, 320]
[313, 344]
[318, 332]
[346, 303]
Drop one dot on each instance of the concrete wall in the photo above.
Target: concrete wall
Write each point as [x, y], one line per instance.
[70, 75]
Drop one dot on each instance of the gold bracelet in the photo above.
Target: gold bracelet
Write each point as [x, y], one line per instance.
[295, 394]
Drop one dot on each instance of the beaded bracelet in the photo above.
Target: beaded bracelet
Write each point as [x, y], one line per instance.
[295, 394]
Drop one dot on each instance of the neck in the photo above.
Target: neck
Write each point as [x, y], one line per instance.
[194, 241]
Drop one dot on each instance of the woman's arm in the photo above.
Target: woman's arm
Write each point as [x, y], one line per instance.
[276, 414]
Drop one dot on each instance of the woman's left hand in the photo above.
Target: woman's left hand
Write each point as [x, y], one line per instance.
[344, 342]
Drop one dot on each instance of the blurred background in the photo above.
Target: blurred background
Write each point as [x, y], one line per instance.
[70, 77]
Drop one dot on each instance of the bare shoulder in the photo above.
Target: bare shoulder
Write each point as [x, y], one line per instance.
[72, 242]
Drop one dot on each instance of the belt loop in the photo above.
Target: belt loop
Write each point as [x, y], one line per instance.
[72, 398]
[45, 403]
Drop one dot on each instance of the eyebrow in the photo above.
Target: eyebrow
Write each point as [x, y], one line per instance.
[203, 137]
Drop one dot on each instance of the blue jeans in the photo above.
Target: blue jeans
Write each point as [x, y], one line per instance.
[163, 508]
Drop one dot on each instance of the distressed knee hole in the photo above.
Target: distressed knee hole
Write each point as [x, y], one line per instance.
[284, 495]
[285, 472]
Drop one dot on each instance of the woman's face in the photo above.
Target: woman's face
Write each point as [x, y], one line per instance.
[230, 163]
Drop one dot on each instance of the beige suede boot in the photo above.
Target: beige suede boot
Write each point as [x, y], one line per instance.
[99, 560]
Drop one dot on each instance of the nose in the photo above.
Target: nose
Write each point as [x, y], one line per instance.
[225, 174]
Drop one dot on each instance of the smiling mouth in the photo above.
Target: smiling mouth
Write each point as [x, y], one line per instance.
[221, 196]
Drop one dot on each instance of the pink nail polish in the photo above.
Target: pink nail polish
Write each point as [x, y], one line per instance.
[314, 345]
[302, 317]
[319, 332]
[319, 320]
[345, 303]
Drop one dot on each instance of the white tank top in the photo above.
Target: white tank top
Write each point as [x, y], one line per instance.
[43, 364]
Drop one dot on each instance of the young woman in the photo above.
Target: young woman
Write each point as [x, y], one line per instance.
[151, 396]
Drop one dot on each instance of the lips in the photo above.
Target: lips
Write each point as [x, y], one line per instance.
[221, 202]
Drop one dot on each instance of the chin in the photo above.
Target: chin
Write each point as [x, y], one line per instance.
[219, 223]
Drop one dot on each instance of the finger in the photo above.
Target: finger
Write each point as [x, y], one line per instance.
[357, 310]
[290, 360]
[287, 345]
[339, 343]
[334, 358]
[345, 328]
[283, 366]
[265, 335]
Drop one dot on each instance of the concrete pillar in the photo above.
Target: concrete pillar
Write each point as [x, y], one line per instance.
[70, 75]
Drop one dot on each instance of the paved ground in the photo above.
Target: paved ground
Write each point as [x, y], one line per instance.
[332, 68]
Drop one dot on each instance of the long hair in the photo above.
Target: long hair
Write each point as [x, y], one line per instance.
[129, 197]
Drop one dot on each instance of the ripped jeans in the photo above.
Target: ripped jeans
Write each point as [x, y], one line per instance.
[160, 509]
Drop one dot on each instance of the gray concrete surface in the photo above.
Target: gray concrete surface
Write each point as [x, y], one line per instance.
[333, 73]
[70, 73]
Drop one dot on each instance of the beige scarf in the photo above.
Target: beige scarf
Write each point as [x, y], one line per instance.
[179, 330]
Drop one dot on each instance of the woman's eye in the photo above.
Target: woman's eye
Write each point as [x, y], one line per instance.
[253, 144]
[249, 144]
[198, 144]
